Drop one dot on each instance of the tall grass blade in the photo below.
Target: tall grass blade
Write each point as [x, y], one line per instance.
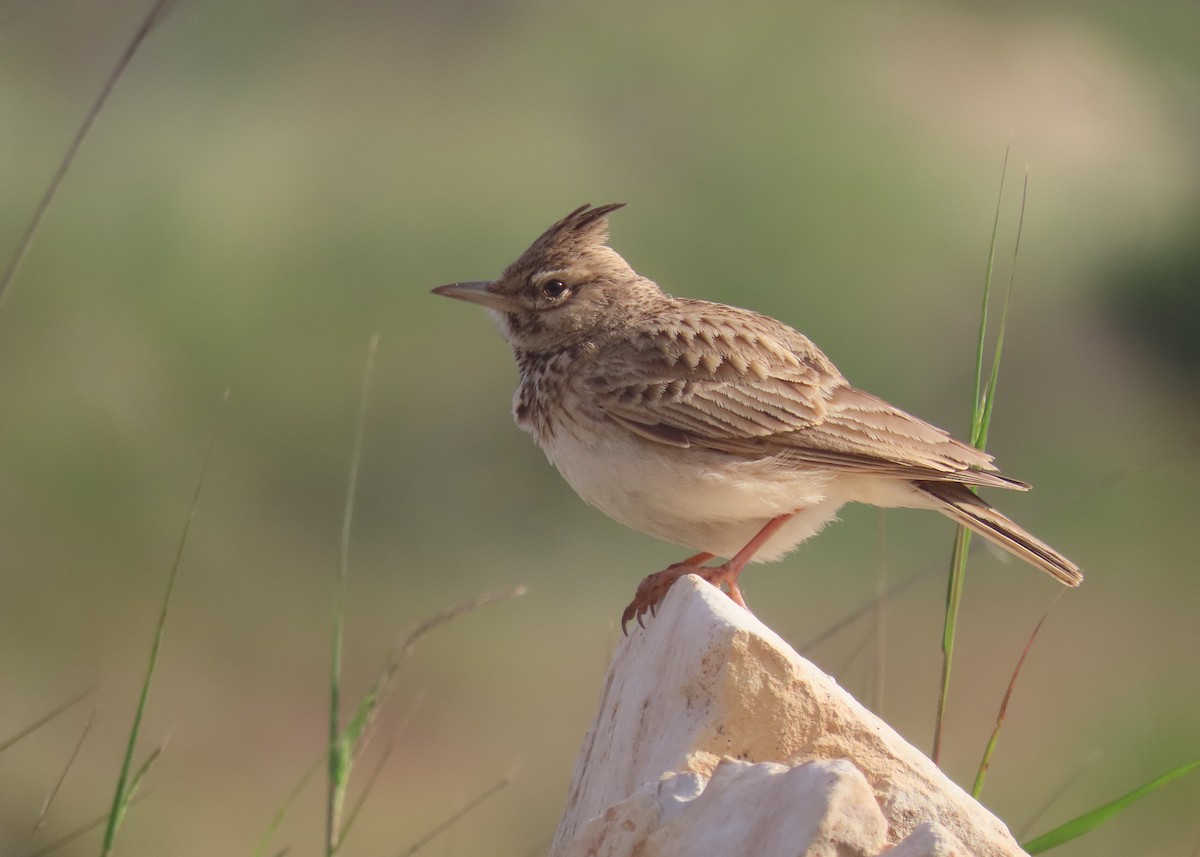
[981, 343]
[1076, 827]
[377, 694]
[35, 221]
[954, 589]
[986, 761]
[277, 819]
[354, 737]
[352, 815]
[46, 804]
[980, 415]
[45, 718]
[123, 795]
[989, 394]
[340, 760]
[135, 781]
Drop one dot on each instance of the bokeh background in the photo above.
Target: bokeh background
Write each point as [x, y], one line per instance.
[274, 182]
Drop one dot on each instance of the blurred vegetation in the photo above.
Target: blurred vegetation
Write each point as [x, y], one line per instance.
[274, 182]
[1155, 297]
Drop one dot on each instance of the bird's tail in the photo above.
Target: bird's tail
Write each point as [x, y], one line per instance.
[959, 503]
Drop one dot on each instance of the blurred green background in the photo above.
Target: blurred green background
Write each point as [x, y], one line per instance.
[275, 181]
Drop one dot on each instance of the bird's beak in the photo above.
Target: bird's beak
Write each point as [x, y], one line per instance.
[477, 293]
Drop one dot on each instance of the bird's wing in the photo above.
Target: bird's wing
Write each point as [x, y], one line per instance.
[757, 389]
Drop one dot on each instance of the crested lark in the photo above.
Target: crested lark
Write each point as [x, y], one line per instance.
[711, 426]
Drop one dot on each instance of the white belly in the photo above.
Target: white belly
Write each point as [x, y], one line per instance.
[704, 500]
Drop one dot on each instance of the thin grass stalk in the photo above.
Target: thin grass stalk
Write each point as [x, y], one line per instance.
[81, 830]
[123, 794]
[977, 393]
[352, 815]
[39, 212]
[962, 540]
[857, 613]
[457, 816]
[1063, 787]
[954, 590]
[62, 777]
[339, 752]
[45, 718]
[979, 439]
[355, 734]
[277, 819]
[990, 749]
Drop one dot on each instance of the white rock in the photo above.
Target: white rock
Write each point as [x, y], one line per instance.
[930, 840]
[706, 682]
[743, 810]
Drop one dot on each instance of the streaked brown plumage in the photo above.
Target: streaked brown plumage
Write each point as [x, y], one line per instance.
[711, 426]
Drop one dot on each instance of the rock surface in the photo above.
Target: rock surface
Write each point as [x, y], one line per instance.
[714, 737]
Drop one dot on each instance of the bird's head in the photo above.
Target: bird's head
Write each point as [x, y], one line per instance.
[568, 286]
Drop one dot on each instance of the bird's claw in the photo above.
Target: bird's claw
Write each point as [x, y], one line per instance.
[653, 589]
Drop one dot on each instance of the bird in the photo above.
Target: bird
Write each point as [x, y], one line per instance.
[709, 426]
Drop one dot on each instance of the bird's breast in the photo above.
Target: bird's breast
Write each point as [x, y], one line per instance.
[541, 403]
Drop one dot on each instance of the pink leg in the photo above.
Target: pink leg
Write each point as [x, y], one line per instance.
[729, 571]
[653, 589]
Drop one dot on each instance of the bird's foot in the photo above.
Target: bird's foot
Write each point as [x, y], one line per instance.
[653, 589]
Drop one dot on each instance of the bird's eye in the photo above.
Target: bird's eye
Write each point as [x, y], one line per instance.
[554, 288]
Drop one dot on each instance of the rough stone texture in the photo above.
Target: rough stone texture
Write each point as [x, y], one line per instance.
[930, 840]
[706, 682]
[743, 809]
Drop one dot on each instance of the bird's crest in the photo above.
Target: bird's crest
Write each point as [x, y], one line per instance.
[584, 228]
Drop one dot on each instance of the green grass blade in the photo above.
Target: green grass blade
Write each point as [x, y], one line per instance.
[345, 743]
[978, 392]
[135, 782]
[357, 732]
[352, 815]
[340, 745]
[277, 820]
[1076, 827]
[377, 695]
[980, 414]
[123, 795]
[44, 719]
[989, 395]
[39, 212]
[954, 590]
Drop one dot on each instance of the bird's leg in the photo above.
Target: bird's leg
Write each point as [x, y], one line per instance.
[653, 589]
[728, 572]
